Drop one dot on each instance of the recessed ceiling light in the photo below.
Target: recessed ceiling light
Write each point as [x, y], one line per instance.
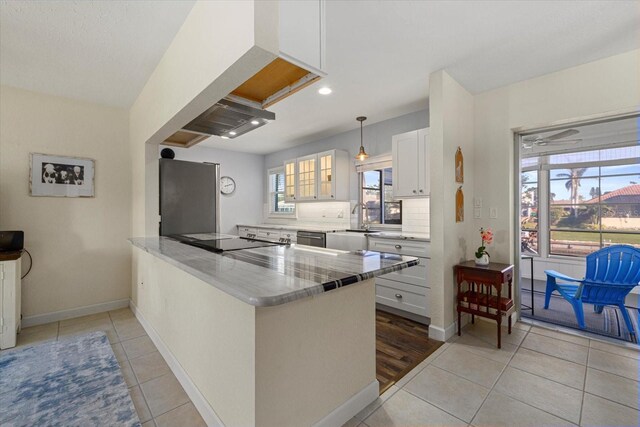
[324, 90]
[224, 137]
[232, 133]
[255, 122]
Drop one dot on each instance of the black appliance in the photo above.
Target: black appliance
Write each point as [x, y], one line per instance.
[11, 241]
[225, 245]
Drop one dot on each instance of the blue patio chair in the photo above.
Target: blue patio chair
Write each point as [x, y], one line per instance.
[612, 273]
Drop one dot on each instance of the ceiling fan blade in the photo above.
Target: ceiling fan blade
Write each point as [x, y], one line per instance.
[564, 141]
[560, 135]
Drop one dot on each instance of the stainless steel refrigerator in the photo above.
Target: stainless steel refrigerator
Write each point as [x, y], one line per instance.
[189, 197]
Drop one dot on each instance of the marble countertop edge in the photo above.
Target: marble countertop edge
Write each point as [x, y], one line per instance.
[244, 293]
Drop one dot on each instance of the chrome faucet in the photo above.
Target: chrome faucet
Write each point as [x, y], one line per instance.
[365, 208]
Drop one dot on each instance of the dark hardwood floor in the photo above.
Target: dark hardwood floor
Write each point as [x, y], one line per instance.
[401, 344]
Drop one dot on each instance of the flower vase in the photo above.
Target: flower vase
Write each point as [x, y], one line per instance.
[483, 260]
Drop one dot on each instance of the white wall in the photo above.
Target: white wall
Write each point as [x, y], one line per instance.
[201, 66]
[244, 206]
[81, 256]
[452, 118]
[601, 87]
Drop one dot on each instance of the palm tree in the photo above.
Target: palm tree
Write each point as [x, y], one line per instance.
[573, 183]
[594, 192]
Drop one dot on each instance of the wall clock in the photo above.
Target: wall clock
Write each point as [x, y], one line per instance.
[227, 185]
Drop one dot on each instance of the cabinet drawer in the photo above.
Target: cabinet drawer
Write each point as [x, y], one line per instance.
[289, 235]
[401, 286]
[246, 231]
[402, 247]
[416, 275]
[402, 299]
[268, 234]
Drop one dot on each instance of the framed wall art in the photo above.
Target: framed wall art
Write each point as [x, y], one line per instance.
[61, 176]
[459, 166]
[459, 205]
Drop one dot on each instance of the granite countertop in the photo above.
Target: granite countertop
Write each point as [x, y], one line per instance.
[300, 227]
[416, 237]
[277, 274]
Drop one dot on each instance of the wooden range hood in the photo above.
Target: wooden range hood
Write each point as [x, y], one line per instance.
[274, 82]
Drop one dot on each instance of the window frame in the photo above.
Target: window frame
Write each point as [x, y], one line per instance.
[595, 164]
[383, 201]
[272, 196]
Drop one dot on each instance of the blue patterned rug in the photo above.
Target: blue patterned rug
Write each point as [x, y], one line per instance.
[608, 323]
[71, 382]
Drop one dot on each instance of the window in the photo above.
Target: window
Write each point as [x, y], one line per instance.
[593, 206]
[277, 204]
[576, 202]
[377, 196]
[529, 208]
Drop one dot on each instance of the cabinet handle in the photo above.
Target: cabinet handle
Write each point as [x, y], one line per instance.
[414, 191]
[314, 197]
[398, 296]
[421, 191]
[398, 246]
[332, 196]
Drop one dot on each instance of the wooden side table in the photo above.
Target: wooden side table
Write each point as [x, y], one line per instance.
[482, 295]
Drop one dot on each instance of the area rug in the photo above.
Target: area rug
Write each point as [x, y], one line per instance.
[71, 382]
[609, 323]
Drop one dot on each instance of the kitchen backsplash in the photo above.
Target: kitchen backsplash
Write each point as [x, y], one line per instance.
[415, 216]
[328, 213]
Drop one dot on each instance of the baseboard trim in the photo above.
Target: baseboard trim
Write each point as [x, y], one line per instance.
[41, 319]
[199, 401]
[351, 407]
[442, 334]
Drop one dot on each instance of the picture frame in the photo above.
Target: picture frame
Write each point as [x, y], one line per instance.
[459, 166]
[459, 205]
[61, 176]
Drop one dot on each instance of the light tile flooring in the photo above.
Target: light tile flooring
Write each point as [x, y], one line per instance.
[156, 393]
[540, 377]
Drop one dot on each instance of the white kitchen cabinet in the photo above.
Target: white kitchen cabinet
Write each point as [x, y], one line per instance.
[247, 232]
[333, 169]
[290, 175]
[268, 234]
[10, 272]
[408, 289]
[410, 152]
[307, 183]
[302, 33]
[321, 176]
[290, 235]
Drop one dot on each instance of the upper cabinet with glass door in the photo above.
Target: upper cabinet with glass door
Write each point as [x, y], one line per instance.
[307, 178]
[333, 169]
[321, 176]
[290, 174]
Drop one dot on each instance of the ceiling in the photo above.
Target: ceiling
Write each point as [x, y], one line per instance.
[96, 51]
[379, 53]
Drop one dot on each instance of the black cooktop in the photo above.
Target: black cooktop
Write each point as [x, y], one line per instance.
[224, 245]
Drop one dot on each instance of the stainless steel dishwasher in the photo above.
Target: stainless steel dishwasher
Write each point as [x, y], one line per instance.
[311, 238]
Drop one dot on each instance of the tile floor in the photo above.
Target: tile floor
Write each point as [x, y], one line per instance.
[539, 378]
[155, 391]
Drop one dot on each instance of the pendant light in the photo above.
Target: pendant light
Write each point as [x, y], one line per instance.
[362, 154]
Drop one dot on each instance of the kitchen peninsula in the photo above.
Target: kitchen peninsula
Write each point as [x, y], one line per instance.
[271, 336]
